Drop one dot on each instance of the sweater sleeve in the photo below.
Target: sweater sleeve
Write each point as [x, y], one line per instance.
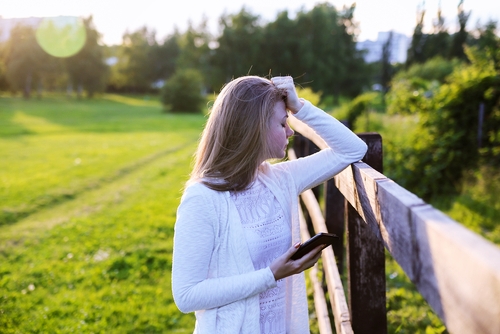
[193, 286]
[344, 148]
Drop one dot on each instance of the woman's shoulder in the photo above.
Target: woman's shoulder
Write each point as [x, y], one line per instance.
[198, 188]
[277, 172]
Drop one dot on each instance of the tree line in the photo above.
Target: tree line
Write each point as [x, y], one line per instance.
[316, 47]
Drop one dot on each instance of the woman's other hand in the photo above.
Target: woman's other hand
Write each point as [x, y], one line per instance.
[284, 266]
[293, 103]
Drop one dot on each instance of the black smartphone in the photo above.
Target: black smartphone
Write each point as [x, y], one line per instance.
[325, 239]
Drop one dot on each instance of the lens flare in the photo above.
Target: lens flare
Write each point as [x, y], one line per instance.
[61, 36]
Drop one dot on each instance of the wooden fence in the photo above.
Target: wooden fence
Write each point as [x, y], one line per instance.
[454, 269]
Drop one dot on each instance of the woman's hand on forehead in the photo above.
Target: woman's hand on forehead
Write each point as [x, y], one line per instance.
[292, 100]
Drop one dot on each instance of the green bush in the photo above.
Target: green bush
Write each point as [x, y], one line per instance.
[436, 68]
[411, 89]
[183, 92]
[352, 110]
[445, 142]
[308, 94]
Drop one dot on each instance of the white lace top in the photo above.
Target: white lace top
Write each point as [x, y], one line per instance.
[268, 236]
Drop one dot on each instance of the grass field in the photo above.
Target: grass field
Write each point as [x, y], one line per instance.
[88, 195]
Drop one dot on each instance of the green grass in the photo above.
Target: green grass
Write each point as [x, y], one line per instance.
[88, 197]
[54, 149]
[89, 191]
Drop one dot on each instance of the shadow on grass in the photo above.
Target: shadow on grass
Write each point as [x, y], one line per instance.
[112, 113]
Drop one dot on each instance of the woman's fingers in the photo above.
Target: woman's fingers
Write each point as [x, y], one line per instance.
[311, 258]
[284, 266]
[293, 102]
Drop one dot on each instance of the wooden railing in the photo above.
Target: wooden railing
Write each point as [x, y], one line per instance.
[454, 269]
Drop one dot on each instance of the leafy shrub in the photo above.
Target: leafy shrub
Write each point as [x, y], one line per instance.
[446, 141]
[436, 68]
[183, 91]
[308, 94]
[411, 89]
[351, 111]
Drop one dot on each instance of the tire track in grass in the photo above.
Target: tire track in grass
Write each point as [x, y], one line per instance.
[110, 248]
[112, 192]
[10, 216]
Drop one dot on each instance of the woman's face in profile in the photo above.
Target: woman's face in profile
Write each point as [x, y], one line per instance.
[279, 132]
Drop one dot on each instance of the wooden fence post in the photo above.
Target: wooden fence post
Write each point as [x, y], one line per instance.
[366, 260]
[335, 219]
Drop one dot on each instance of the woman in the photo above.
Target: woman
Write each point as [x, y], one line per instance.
[237, 225]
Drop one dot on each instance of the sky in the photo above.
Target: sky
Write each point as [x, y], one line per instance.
[114, 17]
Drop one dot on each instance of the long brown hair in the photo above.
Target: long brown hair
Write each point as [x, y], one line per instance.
[233, 143]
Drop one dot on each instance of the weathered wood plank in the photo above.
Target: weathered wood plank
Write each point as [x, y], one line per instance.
[336, 292]
[334, 214]
[334, 283]
[457, 271]
[324, 324]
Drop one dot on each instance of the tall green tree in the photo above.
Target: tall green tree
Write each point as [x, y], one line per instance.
[328, 51]
[238, 46]
[437, 43]
[459, 38]
[488, 40]
[194, 50]
[135, 68]
[386, 66]
[280, 42]
[87, 69]
[165, 56]
[3, 79]
[24, 60]
[416, 50]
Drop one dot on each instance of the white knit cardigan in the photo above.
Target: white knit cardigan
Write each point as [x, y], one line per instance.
[212, 270]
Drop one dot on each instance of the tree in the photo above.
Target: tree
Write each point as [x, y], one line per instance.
[281, 42]
[460, 37]
[165, 56]
[135, 68]
[416, 50]
[238, 47]
[331, 62]
[24, 60]
[87, 69]
[3, 80]
[386, 67]
[489, 42]
[194, 50]
[437, 43]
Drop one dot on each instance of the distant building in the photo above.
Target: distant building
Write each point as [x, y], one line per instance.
[399, 47]
[6, 25]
